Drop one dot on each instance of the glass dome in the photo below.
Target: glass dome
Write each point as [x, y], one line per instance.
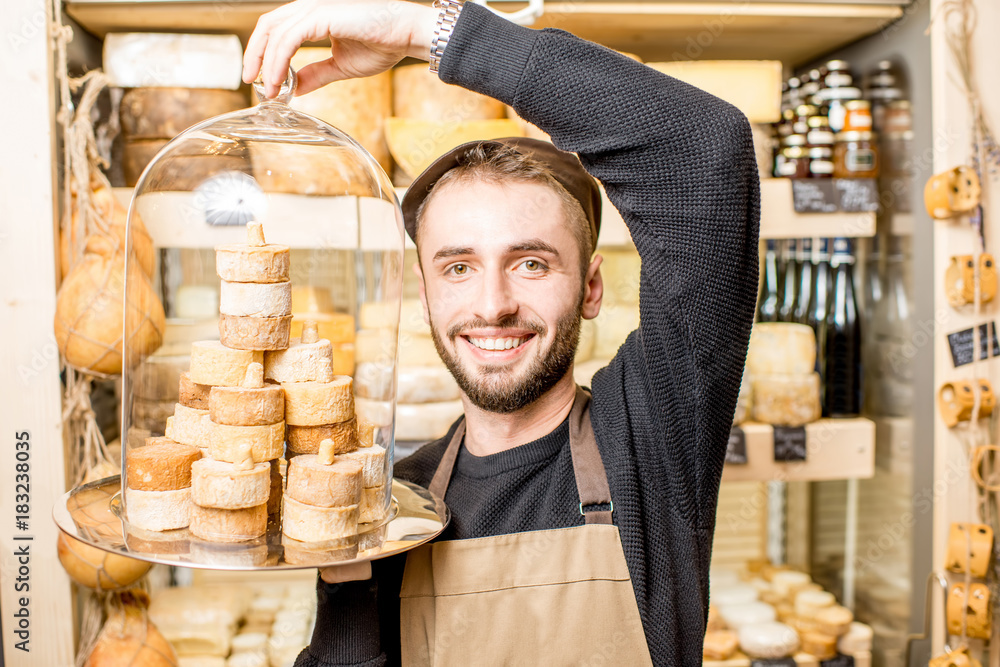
[266, 416]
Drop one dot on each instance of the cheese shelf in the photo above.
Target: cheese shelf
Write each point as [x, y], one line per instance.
[835, 449]
[779, 220]
[793, 32]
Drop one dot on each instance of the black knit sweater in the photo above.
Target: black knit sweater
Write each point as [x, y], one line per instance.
[679, 165]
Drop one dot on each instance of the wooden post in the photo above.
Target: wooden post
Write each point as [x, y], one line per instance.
[30, 401]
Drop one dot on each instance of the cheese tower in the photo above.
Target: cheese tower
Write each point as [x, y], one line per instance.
[255, 297]
[373, 480]
[322, 496]
[315, 410]
[158, 484]
[250, 415]
[230, 499]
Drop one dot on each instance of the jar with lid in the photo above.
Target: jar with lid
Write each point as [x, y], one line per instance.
[857, 116]
[819, 132]
[838, 74]
[821, 162]
[855, 156]
[803, 113]
[792, 158]
[813, 86]
[835, 101]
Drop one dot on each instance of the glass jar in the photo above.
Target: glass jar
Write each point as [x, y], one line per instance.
[821, 162]
[803, 113]
[819, 132]
[792, 162]
[855, 155]
[838, 74]
[857, 116]
[835, 102]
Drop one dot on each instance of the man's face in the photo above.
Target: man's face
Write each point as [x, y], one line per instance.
[502, 289]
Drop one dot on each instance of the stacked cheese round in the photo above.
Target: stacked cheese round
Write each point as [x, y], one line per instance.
[781, 363]
[322, 497]
[158, 484]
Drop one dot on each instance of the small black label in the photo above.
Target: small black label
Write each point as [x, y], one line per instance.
[830, 195]
[839, 661]
[961, 345]
[789, 443]
[736, 450]
[773, 662]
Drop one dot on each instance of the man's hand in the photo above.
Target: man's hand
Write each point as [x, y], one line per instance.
[367, 37]
[355, 572]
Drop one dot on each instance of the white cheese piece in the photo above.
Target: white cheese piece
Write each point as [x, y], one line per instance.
[781, 348]
[212, 363]
[426, 384]
[224, 486]
[786, 584]
[752, 86]
[857, 639]
[313, 483]
[317, 524]
[733, 594]
[426, 421]
[318, 403]
[218, 525]
[190, 426]
[266, 442]
[809, 603]
[372, 461]
[746, 613]
[301, 362]
[255, 333]
[307, 439]
[162, 60]
[768, 640]
[372, 508]
[255, 299]
[588, 339]
[786, 400]
[583, 373]
[158, 510]
[614, 324]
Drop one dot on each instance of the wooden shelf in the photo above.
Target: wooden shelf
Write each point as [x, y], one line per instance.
[792, 32]
[778, 219]
[836, 449]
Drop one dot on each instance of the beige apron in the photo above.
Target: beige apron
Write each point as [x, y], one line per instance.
[548, 597]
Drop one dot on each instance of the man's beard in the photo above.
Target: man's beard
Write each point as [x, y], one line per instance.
[491, 388]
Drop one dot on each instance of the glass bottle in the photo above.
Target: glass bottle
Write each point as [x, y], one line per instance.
[893, 327]
[842, 337]
[804, 300]
[789, 281]
[767, 301]
[818, 301]
[871, 290]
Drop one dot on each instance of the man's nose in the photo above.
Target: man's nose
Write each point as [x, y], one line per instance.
[496, 297]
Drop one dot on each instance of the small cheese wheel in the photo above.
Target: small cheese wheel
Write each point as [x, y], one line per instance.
[306, 439]
[781, 348]
[734, 594]
[428, 384]
[158, 510]
[768, 640]
[372, 460]
[307, 523]
[372, 508]
[318, 403]
[252, 263]
[857, 639]
[225, 486]
[218, 525]
[301, 362]
[192, 394]
[313, 483]
[720, 645]
[161, 465]
[786, 400]
[809, 603]
[426, 421]
[819, 645]
[835, 620]
[255, 299]
[255, 333]
[787, 583]
[337, 328]
[297, 552]
[747, 613]
[213, 363]
[190, 426]
[266, 442]
[247, 405]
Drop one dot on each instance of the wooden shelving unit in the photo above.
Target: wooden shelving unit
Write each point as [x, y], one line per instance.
[779, 220]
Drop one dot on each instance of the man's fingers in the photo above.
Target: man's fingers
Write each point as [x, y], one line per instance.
[317, 75]
[342, 573]
[253, 57]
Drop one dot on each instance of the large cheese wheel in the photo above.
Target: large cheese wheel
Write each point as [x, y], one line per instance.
[255, 333]
[786, 400]
[426, 421]
[139, 59]
[809, 603]
[835, 620]
[163, 113]
[191, 394]
[310, 169]
[426, 384]
[819, 645]
[768, 640]
[420, 94]
[372, 461]
[301, 362]
[247, 406]
[372, 508]
[614, 324]
[254, 261]
[318, 403]
[190, 426]
[218, 525]
[226, 486]
[161, 465]
[182, 172]
[158, 510]
[308, 523]
[307, 439]
[857, 639]
[781, 348]
[747, 613]
[414, 144]
[213, 363]
[313, 483]
[266, 442]
[255, 299]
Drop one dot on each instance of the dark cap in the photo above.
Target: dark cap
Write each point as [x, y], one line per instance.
[565, 168]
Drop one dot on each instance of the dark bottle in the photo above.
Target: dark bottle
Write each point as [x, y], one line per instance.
[804, 300]
[789, 281]
[842, 379]
[767, 301]
[818, 297]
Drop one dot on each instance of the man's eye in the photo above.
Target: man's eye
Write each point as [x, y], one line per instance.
[459, 269]
[532, 265]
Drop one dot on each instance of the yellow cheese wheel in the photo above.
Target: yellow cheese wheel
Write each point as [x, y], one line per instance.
[266, 442]
[255, 333]
[313, 483]
[414, 144]
[319, 403]
[308, 523]
[221, 525]
[161, 465]
[307, 439]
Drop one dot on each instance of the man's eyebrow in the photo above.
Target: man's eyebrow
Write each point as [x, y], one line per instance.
[534, 245]
[452, 251]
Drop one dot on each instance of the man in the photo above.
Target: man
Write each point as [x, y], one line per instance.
[582, 527]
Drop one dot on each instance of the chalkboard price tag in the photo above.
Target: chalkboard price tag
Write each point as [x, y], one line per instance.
[736, 450]
[856, 195]
[840, 661]
[960, 343]
[789, 443]
[773, 662]
[830, 195]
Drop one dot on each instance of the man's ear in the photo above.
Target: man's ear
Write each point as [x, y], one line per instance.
[593, 289]
[421, 290]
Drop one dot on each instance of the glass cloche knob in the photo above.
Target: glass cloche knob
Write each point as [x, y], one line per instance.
[285, 93]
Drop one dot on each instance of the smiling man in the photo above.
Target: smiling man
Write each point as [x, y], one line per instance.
[582, 523]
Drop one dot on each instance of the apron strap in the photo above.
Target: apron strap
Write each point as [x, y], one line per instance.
[591, 478]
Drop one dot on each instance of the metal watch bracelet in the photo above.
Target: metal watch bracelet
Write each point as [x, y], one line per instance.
[448, 16]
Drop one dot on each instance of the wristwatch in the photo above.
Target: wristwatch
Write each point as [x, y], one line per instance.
[448, 16]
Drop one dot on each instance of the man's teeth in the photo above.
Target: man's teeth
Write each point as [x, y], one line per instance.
[496, 343]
